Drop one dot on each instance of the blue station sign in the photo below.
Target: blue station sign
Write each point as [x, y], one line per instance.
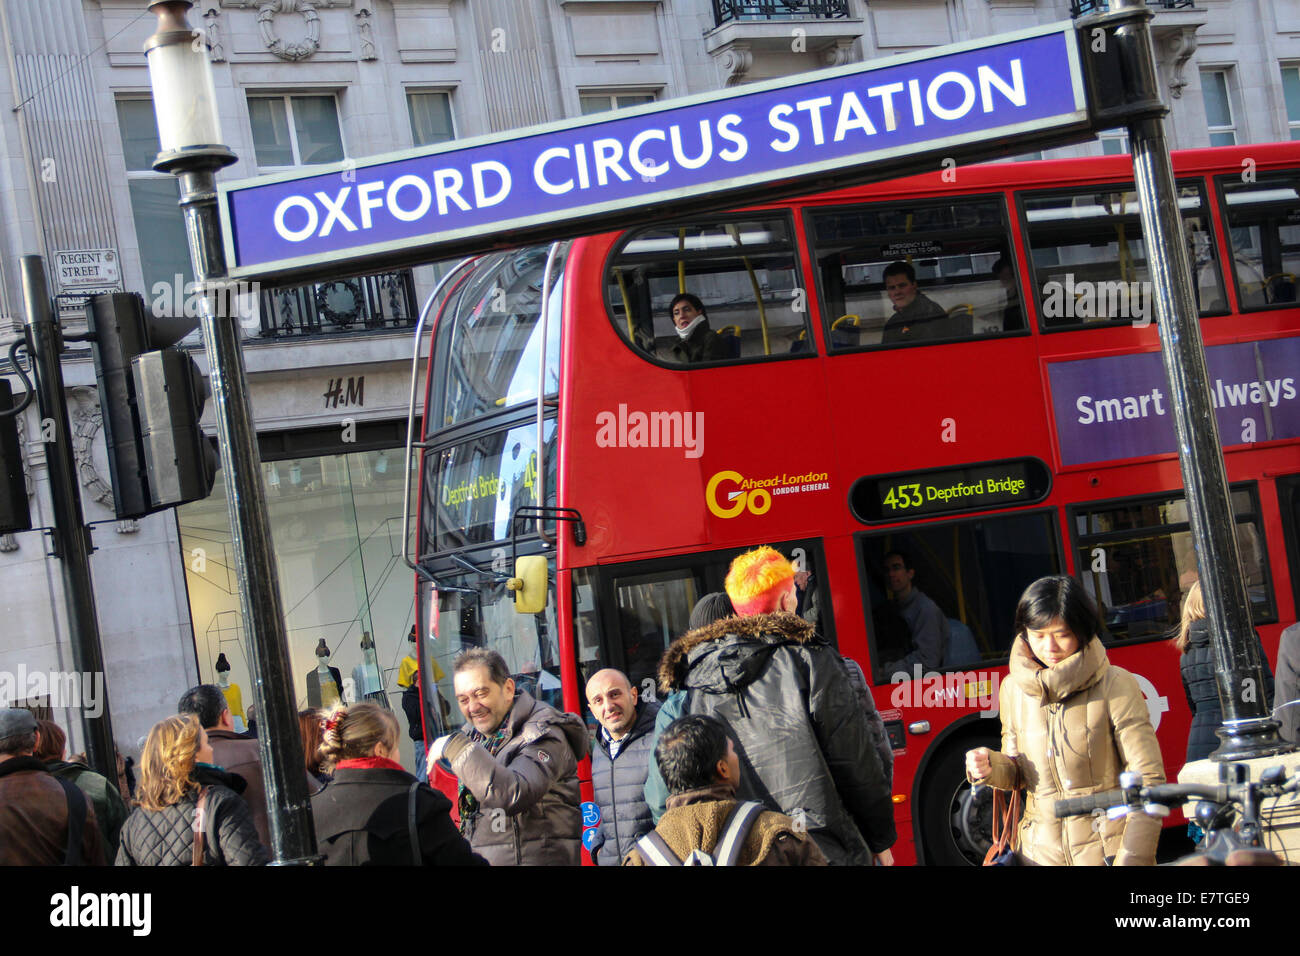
[846, 124]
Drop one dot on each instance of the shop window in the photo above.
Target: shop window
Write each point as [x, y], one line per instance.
[1089, 256]
[1263, 220]
[743, 273]
[974, 572]
[1137, 559]
[916, 273]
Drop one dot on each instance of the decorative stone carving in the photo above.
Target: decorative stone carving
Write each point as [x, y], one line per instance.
[1179, 47]
[840, 54]
[293, 51]
[87, 419]
[212, 31]
[367, 37]
[735, 63]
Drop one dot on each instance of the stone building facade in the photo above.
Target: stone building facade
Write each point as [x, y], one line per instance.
[310, 81]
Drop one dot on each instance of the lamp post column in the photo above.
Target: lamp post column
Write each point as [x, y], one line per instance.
[185, 102]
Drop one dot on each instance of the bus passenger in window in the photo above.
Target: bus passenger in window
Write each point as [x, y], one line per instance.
[916, 317]
[929, 625]
[1011, 314]
[698, 343]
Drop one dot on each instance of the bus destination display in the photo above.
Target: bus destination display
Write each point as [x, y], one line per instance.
[1019, 481]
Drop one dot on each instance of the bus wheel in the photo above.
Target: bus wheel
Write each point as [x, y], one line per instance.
[955, 822]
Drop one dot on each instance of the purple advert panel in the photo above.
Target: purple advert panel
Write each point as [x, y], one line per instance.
[1118, 407]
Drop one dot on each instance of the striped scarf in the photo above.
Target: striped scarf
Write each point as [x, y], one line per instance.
[466, 802]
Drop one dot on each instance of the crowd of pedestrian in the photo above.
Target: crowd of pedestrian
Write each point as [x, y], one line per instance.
[766, 749]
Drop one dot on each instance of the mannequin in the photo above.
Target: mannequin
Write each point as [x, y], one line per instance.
[324, 683]
[234, 696]
[365, 675]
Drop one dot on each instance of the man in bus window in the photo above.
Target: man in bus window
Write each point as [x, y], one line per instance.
[802, 737]
[697, 343]
[928, 624]
[517, 761]
[916, 318]
[619, 762]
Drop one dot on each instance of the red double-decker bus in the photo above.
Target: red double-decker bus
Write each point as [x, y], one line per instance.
[1010, 419]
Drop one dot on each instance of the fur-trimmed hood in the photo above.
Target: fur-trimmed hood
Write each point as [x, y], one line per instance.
[731, 653]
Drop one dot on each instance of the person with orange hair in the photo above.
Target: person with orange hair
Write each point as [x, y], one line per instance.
[803, 739]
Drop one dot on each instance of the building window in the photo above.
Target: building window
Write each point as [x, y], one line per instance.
[293, 131]
[601, 102]
[1216, 87]
[1291, 88]
[431, 120]
[155, 200]
[1114, 142]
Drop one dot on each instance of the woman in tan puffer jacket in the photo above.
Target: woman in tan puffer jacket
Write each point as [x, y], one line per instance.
[1071, 723]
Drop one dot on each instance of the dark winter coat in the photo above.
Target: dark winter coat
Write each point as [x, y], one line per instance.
[239, 755]
[1288, 683]
[700, 346]
[361, 820]
[619, 786]
[110, 809]
[532, 781]
[34, 818]
[1203, 692]
[166, 837]
[804, 744]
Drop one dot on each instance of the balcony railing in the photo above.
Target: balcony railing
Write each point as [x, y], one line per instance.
[358, 304]
[726, 11]
[1080, 8]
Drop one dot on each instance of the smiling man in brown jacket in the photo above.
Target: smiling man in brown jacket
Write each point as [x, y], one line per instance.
[517, 761]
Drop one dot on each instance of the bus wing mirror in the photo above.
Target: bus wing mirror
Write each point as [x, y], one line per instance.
[529, 584]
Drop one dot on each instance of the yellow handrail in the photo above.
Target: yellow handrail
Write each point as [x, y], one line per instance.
[627, 306]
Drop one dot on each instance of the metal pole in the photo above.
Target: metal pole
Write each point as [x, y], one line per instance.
[293, 837]
[71, 536]
[1248, 730]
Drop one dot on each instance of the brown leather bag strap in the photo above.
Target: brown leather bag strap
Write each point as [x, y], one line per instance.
[200, 826]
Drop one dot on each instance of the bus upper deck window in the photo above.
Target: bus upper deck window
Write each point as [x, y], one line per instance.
[709, 292]
[1090, 263]
[1263, 222]
[914, 273]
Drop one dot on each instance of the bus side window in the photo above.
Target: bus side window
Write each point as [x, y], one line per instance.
[1090, 262]
[1262, 219]
[916, 272]
[742, 274]
[942, 598]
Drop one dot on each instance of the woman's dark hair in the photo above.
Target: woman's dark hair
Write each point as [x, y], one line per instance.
[1061, 597]
[693, 299]
[688, 752]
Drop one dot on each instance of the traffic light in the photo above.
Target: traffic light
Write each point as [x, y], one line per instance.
[14, 515]
[152, 398]
[180, 462]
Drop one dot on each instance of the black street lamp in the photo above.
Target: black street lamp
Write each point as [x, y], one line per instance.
[189, 133]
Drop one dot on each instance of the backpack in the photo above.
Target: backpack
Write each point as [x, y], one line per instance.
[726, 851]
[77, 814]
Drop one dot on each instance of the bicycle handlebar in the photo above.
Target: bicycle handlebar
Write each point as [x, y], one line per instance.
[1165, 794]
